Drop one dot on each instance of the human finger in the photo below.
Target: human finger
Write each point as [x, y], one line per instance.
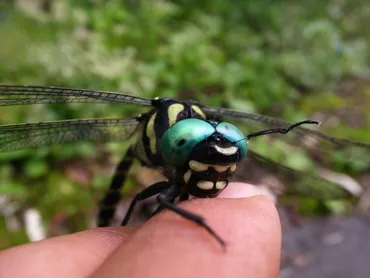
[76, 255]
[168, 245]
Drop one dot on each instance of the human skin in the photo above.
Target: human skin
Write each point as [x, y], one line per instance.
[165, 246]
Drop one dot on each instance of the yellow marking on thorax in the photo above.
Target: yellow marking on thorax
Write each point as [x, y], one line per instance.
[150, 133]
[173, 112]
[139, 145]
[198, 111]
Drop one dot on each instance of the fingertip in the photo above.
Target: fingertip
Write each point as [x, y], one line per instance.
[168, 243]
[244, 190]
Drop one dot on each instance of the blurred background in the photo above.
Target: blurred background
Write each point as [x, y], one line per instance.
[286, 59]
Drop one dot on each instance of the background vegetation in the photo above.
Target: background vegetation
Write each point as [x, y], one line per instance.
[289, 59]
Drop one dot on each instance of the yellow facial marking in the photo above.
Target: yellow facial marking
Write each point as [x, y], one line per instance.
[198, 111]
[187, 176]
[150, 132]
[173, 112]
[221, 185]
[233, 168]
[226, 151]
[198, 166]
[221, 168]
[205, 185]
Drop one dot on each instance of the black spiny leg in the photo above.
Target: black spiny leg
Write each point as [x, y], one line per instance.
[166, 199]
[113, 195]
[144, 194]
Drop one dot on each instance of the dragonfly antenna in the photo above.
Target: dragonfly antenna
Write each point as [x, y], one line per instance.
[280, 130]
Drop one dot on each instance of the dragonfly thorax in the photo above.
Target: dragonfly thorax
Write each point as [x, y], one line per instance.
[154, 125]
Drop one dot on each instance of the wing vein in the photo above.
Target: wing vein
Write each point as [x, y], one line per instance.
[29, 94]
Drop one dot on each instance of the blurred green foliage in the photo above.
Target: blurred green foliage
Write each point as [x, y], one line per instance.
[282, 58]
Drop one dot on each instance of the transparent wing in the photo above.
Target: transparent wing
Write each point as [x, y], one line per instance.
[297, 182]
[323, 149]
[31, 135]
[26, 94]
[273, 122]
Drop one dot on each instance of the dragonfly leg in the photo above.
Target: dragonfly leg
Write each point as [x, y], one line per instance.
[183, 197]
[113, 195]
[144, 194]
[166, 200]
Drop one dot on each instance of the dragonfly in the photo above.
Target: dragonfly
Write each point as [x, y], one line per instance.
[196, 150]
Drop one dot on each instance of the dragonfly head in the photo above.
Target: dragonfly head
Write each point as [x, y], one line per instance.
[206, 153]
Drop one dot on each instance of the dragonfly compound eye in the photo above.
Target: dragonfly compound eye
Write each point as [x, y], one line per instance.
[233, 134]
[179, 140]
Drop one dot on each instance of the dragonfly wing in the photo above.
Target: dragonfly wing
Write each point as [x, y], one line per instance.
[28, 94]
[32, 135]
[271, 122]
[302, 183]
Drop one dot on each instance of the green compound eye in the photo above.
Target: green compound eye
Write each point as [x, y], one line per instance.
[233, 134]
[180, 139]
